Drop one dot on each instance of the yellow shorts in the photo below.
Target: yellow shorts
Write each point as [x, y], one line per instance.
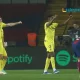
[49, 46]
[2, 50]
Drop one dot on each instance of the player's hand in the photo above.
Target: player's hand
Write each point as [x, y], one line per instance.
[20, 22]
[70, 16]
[54, 16]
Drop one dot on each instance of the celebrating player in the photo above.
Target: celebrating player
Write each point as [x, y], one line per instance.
[49, 43]
[74, 33]
[3, 54]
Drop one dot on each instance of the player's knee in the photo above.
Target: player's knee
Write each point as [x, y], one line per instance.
[5, 57]
[1, 56]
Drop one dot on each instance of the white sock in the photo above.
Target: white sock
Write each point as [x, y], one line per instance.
[54, 69]
[45, 70]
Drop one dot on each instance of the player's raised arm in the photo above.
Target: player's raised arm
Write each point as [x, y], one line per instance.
[65, 22]
[13, 24]
[51, 20]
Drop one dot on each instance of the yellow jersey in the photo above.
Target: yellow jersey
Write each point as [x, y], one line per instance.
[1, 30]
[50, 32]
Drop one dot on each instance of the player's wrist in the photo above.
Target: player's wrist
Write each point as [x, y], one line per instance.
[20, 22]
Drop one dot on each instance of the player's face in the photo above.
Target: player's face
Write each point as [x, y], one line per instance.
[75, 26]
[0, 19]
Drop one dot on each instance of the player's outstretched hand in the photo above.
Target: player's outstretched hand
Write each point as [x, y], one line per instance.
[55, 16]
[20, 22]
[70, 16]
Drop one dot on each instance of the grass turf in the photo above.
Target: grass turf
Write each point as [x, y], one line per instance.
[65, 74]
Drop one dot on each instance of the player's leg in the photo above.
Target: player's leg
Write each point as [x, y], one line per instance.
[4, 59]
[76, 49]
[1, 58]
[47, 62]
[53, 62]
[78, 54]
[52, 54]
[1, 61]
[78, 64]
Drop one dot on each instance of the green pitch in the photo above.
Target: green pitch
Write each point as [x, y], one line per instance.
[65, 74]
